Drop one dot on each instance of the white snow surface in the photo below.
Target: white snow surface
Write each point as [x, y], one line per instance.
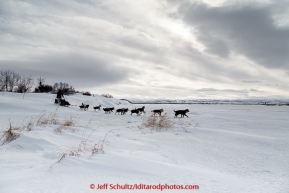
[226, 148]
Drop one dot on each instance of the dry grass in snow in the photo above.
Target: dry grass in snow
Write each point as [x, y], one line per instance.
[157, 123]
[9, 134]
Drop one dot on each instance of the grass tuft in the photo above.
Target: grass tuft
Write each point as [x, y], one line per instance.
[183, 124]
[157, 123]
[67, 122]
[69, 152]
[82, 148]
[9, 134]
[99, 147]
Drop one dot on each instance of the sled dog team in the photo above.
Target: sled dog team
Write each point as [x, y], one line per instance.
[137, 111]
[123, 111]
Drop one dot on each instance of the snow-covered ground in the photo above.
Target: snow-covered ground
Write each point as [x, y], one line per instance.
[226, 148]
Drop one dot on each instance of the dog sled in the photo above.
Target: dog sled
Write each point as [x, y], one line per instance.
[63, 102]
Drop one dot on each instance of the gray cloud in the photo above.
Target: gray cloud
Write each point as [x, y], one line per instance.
[137, 48]
[201, 66]
[246, 29]
[216, 46]
[78, 70]
[252, 81]
[213, 90]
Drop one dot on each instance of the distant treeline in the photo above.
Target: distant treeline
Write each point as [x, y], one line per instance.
[11, 81]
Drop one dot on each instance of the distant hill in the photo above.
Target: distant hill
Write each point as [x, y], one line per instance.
[267, 102]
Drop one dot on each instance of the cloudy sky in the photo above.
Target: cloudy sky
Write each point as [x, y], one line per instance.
[172, 49]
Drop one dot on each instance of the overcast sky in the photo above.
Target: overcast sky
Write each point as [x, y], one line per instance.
[172, 49]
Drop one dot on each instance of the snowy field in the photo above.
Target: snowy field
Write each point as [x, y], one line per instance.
[220, 148]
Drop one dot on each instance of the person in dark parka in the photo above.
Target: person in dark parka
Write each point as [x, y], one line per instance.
[59, 95]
